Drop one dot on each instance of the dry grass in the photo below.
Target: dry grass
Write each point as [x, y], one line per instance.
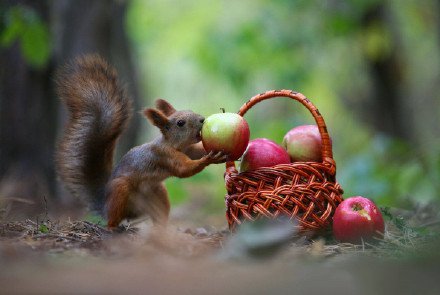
[93, 239]
[81, 257]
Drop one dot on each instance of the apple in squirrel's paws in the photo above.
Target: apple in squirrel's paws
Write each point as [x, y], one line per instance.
[303, 143]
[357, 219]
[262, 152]
[227, 132]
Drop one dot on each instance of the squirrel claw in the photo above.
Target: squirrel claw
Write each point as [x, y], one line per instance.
[216, 157]
[221, 157]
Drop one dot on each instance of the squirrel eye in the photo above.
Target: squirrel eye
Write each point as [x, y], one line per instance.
[180, 123]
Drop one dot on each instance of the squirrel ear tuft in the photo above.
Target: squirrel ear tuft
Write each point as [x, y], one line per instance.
[157, 118]
[165, 107]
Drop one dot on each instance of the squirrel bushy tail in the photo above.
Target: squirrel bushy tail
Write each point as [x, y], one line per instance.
[99, 110]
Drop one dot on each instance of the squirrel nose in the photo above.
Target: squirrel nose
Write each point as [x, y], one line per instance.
[202, 120]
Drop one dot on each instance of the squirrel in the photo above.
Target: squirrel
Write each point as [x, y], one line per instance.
[99, 110]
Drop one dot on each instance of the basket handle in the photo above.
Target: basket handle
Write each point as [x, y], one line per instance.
[327, 153]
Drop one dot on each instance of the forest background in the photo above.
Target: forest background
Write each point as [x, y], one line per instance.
[371, 67]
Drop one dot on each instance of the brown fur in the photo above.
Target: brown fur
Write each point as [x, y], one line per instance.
[119, 191]
[99, 110]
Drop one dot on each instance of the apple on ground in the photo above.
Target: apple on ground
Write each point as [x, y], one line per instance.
[227, 132]
[262, 152]
[357, 219]
[303, 143]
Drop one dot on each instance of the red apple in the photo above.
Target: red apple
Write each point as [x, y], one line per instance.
[357, 219]
[303, 143]
[227, 132]
[262, 152]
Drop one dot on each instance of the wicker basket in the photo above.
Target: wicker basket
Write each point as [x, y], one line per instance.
[303, 191]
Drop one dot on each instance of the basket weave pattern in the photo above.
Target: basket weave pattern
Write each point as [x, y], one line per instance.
[303, 191]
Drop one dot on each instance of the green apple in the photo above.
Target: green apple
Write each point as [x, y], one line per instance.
[227, 132]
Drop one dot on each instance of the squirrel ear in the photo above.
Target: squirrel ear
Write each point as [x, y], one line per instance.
[165, 107]
[157, 118]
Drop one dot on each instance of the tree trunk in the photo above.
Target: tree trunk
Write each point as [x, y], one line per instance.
[386, 109]
[27, 135]
[29, 108]
[98, 26]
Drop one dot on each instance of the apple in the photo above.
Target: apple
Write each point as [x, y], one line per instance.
[227, 132]
[303, 143]
[262, 152]
[357, 219]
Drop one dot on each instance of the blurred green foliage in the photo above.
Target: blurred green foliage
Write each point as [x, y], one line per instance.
[205, 55]
[43, 228]
[23, 25]
[95, 219]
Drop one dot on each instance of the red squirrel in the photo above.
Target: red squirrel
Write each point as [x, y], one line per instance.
[99, 110]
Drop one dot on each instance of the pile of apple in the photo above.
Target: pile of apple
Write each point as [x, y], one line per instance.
[229, 132]
[356, 219]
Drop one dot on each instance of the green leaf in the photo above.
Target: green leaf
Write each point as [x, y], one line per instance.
[35, 44]
[14, 27]
[43, 228]
[25, 25]
[95, 219]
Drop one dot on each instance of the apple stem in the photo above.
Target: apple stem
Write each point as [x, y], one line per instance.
[223, 110]
[357, 207]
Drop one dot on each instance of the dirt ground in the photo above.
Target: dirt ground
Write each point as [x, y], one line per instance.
[66, 257]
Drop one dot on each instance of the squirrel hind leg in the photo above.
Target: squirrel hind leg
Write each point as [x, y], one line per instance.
[118, 193]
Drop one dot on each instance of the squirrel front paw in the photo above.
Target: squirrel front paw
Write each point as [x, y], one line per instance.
[215, 157]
